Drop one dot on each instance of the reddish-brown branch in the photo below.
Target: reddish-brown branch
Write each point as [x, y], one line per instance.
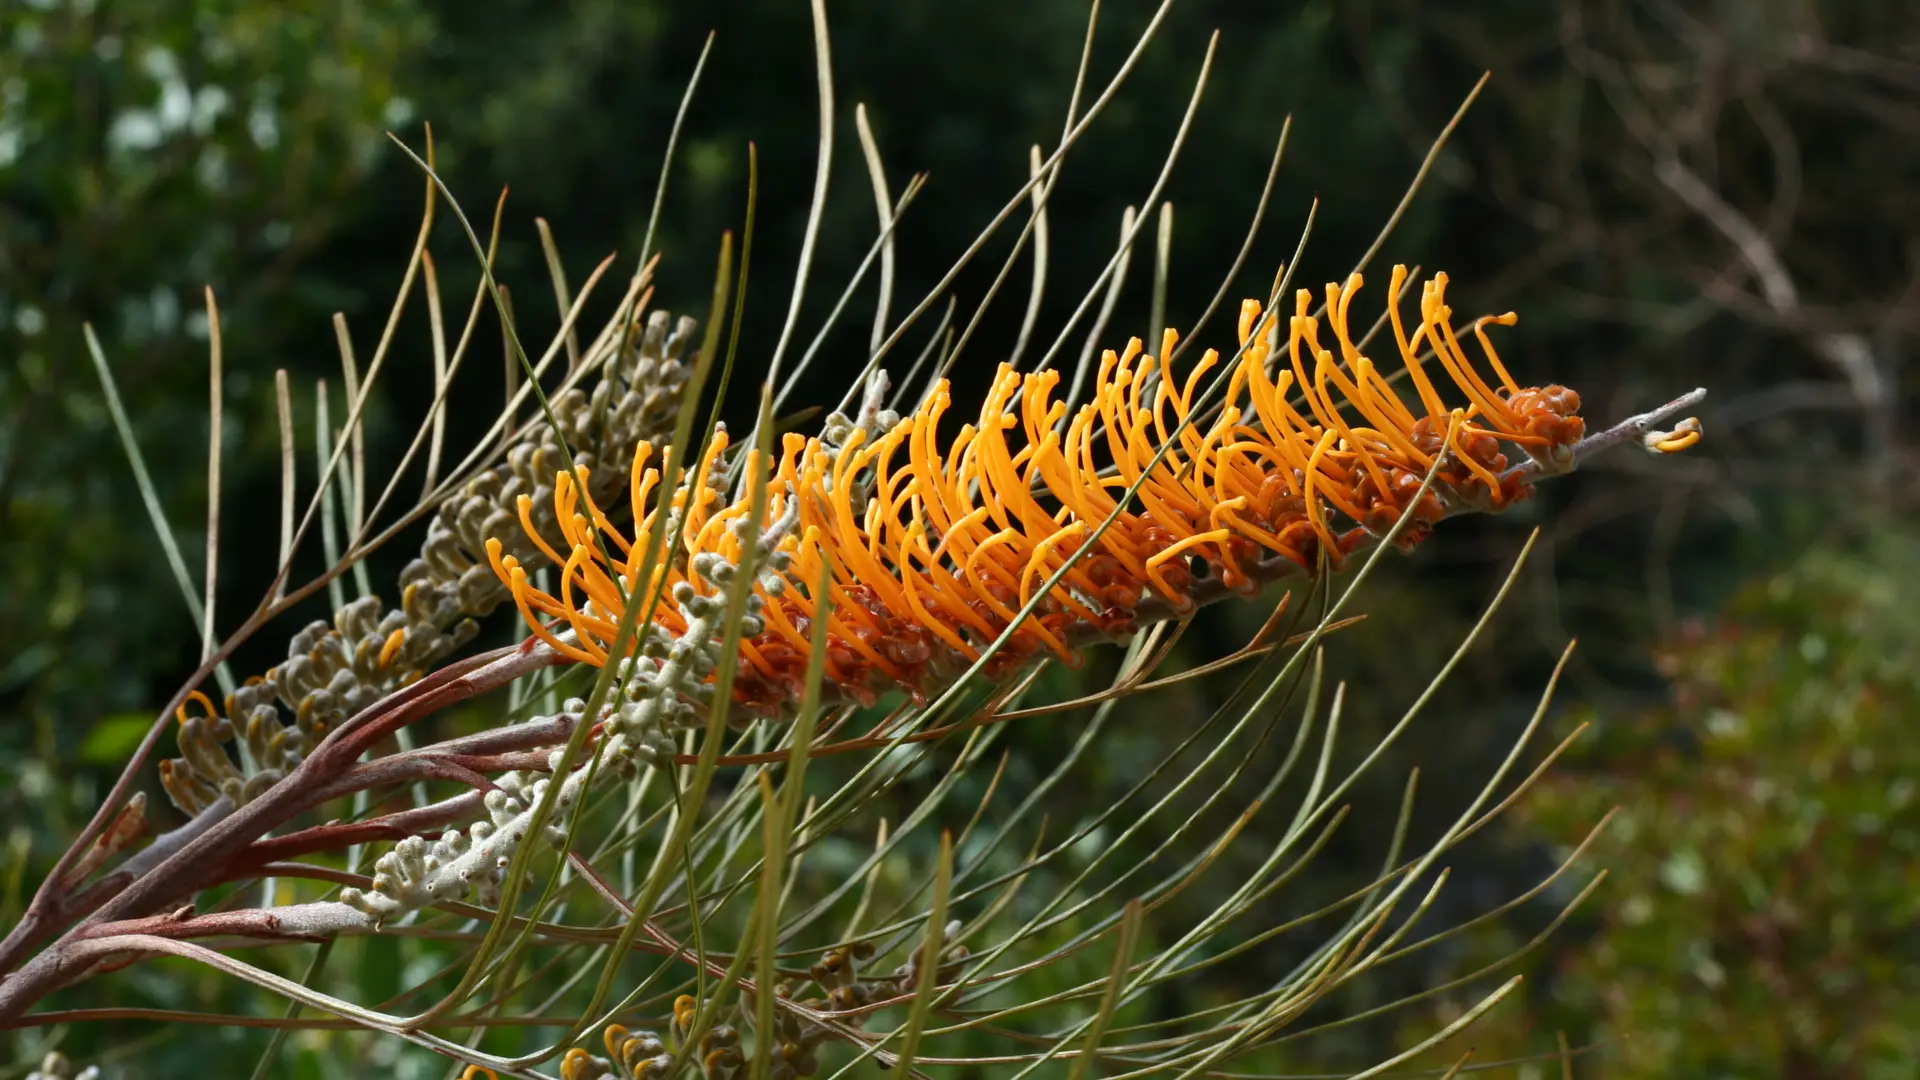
[465, 760]
[535, 733]
[53, 910]
[388, 772]
[252, 922]
[336, 835]
[517, 761]
[409, 704]
[211, 855]
[307, 871]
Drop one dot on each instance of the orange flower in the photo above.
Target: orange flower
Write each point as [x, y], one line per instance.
[933, 547]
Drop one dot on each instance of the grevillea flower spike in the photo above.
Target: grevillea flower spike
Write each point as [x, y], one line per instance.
[932, 546]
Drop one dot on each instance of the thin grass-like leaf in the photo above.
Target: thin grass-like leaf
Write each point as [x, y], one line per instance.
[1148, 206]
[353, 471]
[1465, 1020]
[1037, 291]
[283, 405]
[1420, 174]
[271, 1054]
[1075, 131]
[1123, 258]
[928, 983]
[328, 493]
[437, 413]
[561, 296]
[1162, 258]
[149, 495]
[882, 204]
[823, 171]
[1227, 281]
[216, 421]
[1110, 998]
[1037, 223]
[766, 923]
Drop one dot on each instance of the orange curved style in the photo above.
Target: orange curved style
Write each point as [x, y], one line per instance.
[934, 544]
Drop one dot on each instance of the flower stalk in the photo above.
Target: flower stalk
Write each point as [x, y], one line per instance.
[934, 543]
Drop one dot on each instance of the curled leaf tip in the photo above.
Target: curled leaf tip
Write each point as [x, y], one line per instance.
[1683, 436]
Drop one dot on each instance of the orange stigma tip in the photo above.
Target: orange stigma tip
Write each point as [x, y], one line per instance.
[1685, 435]
[576, 1065]
[392, 648]
[195, 697]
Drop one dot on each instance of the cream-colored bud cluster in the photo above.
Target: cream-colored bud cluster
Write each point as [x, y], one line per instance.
[471, 864]
[635, 402]
[332, 672]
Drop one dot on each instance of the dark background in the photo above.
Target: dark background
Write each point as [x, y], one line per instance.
[1670, 194]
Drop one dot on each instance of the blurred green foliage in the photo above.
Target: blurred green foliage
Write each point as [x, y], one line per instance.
[148, 151]
[1765, 845]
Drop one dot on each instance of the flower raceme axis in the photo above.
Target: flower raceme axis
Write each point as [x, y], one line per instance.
[932, 546]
